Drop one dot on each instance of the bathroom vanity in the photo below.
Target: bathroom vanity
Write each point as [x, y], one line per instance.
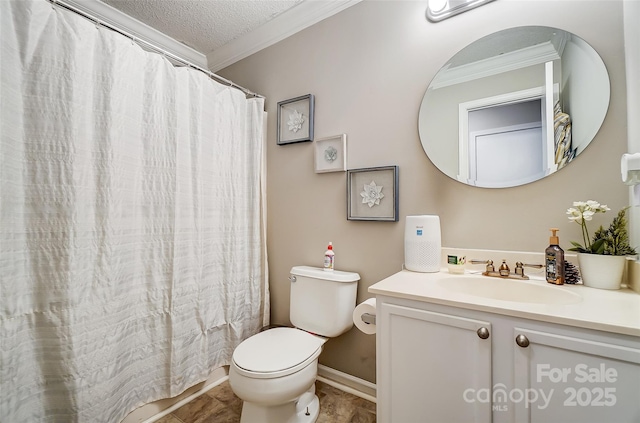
[478, 349]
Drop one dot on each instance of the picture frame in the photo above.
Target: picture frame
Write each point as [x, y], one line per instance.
[295, 120]
[372, 194]
[330, 154]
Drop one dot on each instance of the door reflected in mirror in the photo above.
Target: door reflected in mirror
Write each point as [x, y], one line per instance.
[514, 107]
[511, 130]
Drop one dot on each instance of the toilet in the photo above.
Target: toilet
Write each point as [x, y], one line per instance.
[274, 371]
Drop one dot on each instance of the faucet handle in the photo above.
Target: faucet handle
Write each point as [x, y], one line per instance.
[489, 263]
[504, 268]
[520, 267]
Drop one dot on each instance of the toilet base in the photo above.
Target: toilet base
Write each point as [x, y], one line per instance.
[304, 410]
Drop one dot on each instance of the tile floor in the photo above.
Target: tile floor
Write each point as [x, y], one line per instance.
[220, 405]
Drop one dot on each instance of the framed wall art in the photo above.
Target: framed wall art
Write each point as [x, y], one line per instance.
[330, 154]
[372, 194]
[295, 120]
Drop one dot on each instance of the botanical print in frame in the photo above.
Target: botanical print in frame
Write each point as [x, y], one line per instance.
[330, 154]
[295, 120]
[372, 194]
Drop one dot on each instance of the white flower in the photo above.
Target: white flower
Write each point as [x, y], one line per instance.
[372, 194]
[330, 154]
[574, 215]
[296, 119]
[593, 204]
[584, 210]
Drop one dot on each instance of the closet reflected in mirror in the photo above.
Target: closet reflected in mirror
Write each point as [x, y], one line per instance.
[514, 107]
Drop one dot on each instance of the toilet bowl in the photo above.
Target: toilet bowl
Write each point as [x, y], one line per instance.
[274, 373]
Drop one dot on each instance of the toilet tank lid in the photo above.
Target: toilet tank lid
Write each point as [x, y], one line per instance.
[319, 273]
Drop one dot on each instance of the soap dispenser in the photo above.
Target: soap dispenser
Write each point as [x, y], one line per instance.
[554, 259]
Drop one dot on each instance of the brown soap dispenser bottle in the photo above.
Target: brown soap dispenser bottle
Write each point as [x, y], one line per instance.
[554, 258]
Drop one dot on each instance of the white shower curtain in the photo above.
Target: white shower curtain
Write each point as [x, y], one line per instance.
[132, 246]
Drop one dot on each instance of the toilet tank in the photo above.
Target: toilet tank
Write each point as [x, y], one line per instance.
[322, 302]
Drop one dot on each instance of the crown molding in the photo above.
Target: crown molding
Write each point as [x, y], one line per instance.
[296, 19]
[105, 14]
[528, 56]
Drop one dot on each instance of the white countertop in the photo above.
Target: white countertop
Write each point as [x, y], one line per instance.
[616, 311]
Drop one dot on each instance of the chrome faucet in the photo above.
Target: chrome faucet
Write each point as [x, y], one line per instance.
[504, 271]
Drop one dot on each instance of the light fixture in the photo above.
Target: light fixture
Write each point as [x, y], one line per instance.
[438, 10]
[437, 6]
[630, 166]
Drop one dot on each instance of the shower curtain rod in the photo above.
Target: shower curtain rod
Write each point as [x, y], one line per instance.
[153, 47]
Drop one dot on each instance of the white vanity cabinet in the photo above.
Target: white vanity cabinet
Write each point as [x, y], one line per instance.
[587, 377]
[426, 360]
[441, 363]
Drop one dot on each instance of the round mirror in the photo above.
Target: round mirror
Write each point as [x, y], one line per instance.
[514, 107]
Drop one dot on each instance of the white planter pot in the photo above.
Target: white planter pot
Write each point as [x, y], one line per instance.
[599, 271]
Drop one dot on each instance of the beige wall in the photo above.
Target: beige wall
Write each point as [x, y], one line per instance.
[369, 67]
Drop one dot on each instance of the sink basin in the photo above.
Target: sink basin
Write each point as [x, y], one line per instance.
[509, 290]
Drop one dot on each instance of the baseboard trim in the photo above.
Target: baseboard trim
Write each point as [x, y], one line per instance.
[185, 400]
[218, 376]
[345, 382]
[156, 410]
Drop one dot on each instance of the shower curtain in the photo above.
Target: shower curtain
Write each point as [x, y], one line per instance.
[132, 242]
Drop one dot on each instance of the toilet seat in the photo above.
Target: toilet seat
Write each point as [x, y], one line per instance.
[276, 352]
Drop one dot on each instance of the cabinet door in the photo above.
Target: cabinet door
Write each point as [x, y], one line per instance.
[566, 379]
[432, 367]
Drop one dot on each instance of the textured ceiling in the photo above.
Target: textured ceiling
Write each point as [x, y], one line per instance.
[204, 25]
